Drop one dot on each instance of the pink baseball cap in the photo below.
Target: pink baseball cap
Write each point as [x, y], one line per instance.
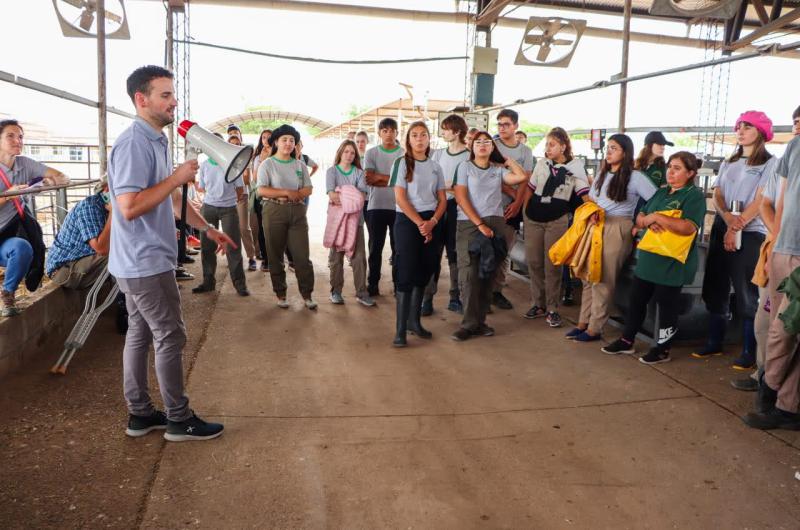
[759, 120]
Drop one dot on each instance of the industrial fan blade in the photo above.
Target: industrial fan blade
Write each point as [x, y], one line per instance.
[544, 51]
[87, 19]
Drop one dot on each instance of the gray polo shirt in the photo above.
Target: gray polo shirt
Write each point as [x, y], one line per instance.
[380, 160]
[219, 193]
[522, 154]
[24, 170]
[335, 177]
[789, 168]
[639, 187]
[449, 163]
[485, 187]
[286, 175]
[739, 182]
[144, 246]
[425, 183]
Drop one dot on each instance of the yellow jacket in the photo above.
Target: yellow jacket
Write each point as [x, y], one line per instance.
[588, 265]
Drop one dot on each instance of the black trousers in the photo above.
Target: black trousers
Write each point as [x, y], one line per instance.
[448, 238]
[262, 241]
[414, 260]
[378, 222]
[731, 269]
[667, 299]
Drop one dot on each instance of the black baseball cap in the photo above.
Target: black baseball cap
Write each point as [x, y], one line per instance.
[656, 137]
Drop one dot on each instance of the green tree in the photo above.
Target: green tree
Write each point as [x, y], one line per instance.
[354, 110]
[256, 126]
[535, 132]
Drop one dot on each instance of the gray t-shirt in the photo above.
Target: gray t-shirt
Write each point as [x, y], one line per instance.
[522, 154]
[144, 246]
[449, 163]
[24, 170]
[639, 186]
[789, 168]
[335, 177]
[219, 193]
[485, 187]
[772, 188]
[425, 184]
[287, 175]
[738, 182]
[380, 160]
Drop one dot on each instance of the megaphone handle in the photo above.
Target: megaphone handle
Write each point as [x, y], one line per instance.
[191, 153]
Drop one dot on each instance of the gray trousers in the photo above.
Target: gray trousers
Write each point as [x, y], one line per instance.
[476, 294]
[154, 315]
[358, 262]
[230, 226]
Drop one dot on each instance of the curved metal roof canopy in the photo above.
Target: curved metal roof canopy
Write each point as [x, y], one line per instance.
[221, 125]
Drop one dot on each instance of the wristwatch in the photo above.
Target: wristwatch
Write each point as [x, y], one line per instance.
[206, 228]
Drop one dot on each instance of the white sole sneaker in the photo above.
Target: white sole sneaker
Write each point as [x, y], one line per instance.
[141, 432]
[311, 304]
[283, 304]
[189, 438]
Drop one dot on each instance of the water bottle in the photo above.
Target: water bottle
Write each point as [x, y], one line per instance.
[736, 209]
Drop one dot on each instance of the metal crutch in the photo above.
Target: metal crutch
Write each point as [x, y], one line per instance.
[85, 324]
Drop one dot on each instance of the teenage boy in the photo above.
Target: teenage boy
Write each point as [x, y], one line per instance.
[381, 204]
[513, 196]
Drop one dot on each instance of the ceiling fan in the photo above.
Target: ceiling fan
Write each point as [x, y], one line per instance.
[715, 9]
[78, 18]
[553, 39]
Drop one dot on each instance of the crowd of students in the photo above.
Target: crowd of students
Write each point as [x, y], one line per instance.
[467, 201]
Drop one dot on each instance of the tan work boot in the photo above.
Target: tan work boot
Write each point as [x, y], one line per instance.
[9, 305]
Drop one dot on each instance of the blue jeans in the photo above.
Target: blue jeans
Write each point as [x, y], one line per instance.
[16, 255]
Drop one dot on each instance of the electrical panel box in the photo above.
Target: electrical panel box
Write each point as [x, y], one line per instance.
[484, 60]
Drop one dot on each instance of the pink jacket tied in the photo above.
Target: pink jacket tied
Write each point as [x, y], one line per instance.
[343, 219]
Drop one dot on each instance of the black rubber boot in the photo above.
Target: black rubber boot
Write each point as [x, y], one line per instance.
[414, 323]
[765, 397]
[403, 307]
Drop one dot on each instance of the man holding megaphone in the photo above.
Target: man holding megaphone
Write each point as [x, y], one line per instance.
[143, 255]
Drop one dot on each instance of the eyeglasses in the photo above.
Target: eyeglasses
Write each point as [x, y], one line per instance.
[504, 124]
[482, 142]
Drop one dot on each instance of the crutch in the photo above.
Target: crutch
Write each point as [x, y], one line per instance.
[80, 332]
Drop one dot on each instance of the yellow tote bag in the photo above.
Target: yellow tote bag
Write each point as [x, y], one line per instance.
[668, 243]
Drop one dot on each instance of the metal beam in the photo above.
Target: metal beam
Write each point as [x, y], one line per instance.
[760, 11]
[102, 114]
[626, 44]
[775, 25]
[766, 51]
[491, 12]
[777, 6]
[63, 94]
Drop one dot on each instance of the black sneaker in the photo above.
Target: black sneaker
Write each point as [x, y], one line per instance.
[372, 290]
[553, 319]
[618, 347]
[192, 429]
[455, 306]
[203, 288]
[461, 334]
[484, 331]
[501, 301]
[141, 425]
[745, 384]
[655, 356]
[186, 259]
[182, 275]
[535, 312]
[568, 300]
[773, 419]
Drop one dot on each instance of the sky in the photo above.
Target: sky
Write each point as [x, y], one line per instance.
[226, 83]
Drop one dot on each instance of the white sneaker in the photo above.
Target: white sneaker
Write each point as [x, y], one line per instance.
[336, 298]
[366, 300]
[283, 303]
[310, 303]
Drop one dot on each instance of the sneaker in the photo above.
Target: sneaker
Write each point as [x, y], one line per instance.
[535, 312]
[186, 259]
[427, 307]
[264, 266]
[9, 304]
[182, 275]
[192, 251]
[773, 419]
[501, 301]
[707, 352]
[455, 306]
[203, 288]
[618, 347]
[366, 300]
[336, 298]
[484, 331]
[251, 264]
[311, 304]
[283, 303]
[745, 362]
[243, 292]
[568, 300]
[141, 425]
[574, 332]
[745, 384]
[193, 242]
[461, 335]
[193, 429]
[655, 356]
[585, 337]
[553, 319]
[372, 290]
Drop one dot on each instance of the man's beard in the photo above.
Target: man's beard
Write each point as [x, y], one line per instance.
[165, 119]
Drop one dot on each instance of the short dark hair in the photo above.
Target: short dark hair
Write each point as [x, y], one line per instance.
[796, 113]
[388, 123]
[456, 124]
[9, 123]
[510, 114]
[233, 127]
[139, 80]
[523, 133]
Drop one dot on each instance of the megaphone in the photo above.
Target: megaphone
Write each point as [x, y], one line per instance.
[234, 159]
